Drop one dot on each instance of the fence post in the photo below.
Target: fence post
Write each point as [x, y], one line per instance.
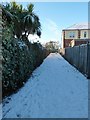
[0, 54]
[88, 61]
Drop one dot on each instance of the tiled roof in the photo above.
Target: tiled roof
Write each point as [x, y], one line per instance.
[79, 26]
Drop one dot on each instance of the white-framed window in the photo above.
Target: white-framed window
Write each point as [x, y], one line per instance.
[85, 34]
[72, 34]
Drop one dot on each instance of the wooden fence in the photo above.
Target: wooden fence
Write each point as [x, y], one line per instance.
[78, 56]
[0, 21]
[0, 55]
[0, 33]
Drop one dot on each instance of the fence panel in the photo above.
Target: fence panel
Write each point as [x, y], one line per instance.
[79, 56]
[0, 55]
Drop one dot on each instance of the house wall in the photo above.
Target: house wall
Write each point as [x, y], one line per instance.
[67, 42]
[80, 42]
[67, 34]
[79, 34]
[72, 43]
[62, 39]
[87, 32]
[82, 34]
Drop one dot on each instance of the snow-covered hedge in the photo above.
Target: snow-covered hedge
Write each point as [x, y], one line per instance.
[19, 61]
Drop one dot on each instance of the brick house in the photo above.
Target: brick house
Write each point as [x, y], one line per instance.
[77, 34]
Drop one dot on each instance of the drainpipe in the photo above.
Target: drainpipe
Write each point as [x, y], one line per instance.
[88, 60]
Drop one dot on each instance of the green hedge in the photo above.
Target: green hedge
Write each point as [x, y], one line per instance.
[19, 61]
[19, 57]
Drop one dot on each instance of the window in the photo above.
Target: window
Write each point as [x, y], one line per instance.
[72, 34]
[85, 34]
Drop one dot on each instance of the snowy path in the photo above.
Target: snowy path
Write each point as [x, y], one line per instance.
[56, 90]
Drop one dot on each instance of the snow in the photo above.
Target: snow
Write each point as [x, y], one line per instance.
[33, 38]
[0, 111]
[79, 26]
[21, 44]
[55, 90]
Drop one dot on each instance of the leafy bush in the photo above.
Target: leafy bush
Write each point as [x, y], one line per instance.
[19, 61]
[19, 56]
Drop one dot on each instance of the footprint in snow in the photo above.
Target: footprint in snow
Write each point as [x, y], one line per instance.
[72, 92]
[18, 115]
[25, 104]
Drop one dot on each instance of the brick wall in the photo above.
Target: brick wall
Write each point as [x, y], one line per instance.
[80, 42]
[67, 42]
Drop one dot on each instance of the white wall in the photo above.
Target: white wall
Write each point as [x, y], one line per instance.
[87, 34]
[67, 34]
